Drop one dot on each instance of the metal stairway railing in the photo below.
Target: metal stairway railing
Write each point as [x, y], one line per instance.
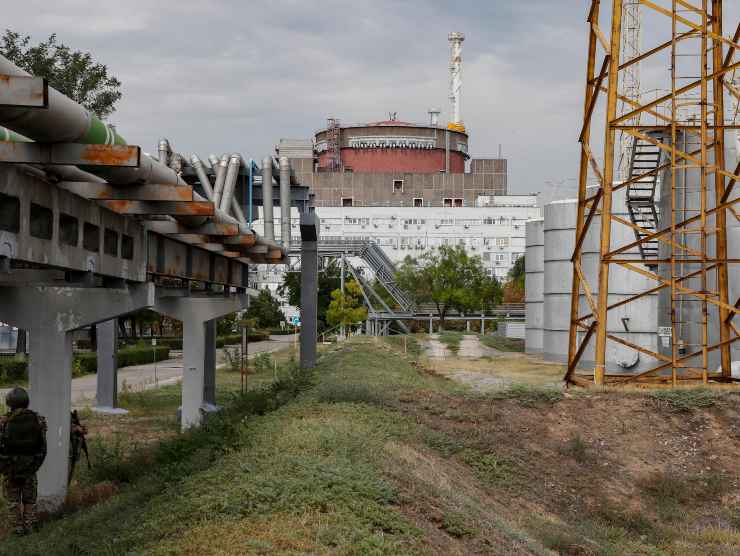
[641, 202]
[373, 255]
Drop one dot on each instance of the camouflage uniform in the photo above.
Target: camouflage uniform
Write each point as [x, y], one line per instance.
[20, 483]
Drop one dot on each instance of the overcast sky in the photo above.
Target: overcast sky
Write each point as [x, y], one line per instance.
[216, 76]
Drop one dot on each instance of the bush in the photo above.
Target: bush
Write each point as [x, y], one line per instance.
[12, 369]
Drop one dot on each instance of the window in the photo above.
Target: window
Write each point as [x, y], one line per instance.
[500, 258]
[489, 221]
[347, 201]
[91, 237]
[418, 202]
[447, 202]
[10, 213]
[397, 186]
[127, 247]
[42, 221]
[110, 242]
[69, 229]
[458, 202]
[502, 242]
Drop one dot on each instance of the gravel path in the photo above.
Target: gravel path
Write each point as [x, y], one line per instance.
[435, 348]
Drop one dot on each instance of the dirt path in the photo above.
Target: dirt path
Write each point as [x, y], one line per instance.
[436, 349]
[471, 347]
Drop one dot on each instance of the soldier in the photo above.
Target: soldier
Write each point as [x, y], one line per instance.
[22, 451]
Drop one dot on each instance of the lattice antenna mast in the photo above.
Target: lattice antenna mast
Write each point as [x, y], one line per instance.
[629, 86]
[333, 149]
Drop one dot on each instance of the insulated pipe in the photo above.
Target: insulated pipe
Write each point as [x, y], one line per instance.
[232, 172]
[218, 186]
[285, 201]
[164, 151]
[200, 171]
[213, 161]
[269, 231]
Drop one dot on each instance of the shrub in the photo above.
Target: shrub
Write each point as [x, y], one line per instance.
[683, 401]
[12, 369]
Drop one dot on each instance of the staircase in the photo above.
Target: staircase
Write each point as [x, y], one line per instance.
[385, 272]
[641, 203]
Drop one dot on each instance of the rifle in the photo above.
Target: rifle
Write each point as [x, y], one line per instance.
[78, 442]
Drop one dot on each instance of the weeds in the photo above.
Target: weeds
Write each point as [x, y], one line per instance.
[457, 526]
[529, 396]
[442, 443]
[684, 401]
[263, 363]
[348, 392]
[577, 448]
[673, 493]
[503, 344]
[451, 339]
[489, 466]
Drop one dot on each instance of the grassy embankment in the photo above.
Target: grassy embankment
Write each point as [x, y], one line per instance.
[372, 454]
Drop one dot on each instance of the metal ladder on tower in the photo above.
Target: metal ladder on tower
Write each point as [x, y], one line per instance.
[640, 197]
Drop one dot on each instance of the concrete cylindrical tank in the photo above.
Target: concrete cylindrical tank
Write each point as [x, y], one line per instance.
[559, 239]
[534, 264]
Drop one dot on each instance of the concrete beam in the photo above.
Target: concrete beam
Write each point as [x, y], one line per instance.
[309, 288]
[147, 192]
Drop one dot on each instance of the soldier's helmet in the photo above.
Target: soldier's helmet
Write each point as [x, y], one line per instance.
[17, 398]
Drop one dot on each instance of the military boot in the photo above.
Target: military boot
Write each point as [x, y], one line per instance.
[30, 519]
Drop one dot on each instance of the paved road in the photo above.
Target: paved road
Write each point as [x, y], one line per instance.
[169, 371]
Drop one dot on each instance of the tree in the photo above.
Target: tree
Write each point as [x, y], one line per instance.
[265, 310]
[346, 307]
[329, 280]
[451, 279]
[71, 72]
[514, 288]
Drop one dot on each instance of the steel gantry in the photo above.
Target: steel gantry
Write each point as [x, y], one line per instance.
[677, 247]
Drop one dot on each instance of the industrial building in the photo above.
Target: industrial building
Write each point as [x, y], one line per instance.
[410, 187]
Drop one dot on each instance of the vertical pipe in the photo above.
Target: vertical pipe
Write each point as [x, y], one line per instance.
[269, 231]
[251, 189]
[164, 151]
[285, 201]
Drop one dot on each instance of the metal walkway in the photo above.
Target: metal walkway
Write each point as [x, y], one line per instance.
[641, 202]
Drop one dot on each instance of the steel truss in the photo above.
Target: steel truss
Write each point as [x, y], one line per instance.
[694, 108]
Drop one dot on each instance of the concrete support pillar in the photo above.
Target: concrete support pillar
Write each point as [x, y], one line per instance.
[107, 373]
[50, 314]
[195, 313]
[431, 327]
[50, 390]
[209, 365]
[467, 325]
[482, 325]
[309, 288]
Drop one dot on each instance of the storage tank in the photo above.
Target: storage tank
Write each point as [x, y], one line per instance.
[534, 267]
[559, 239]
[635, 322]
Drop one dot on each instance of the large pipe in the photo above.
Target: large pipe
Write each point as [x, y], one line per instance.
[200, 171]
[285, 201]
[269, 231]
[164, 151]
[218, 186]
[232, 173]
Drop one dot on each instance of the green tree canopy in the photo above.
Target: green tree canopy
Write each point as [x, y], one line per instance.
[516, 273]
[451, 279]
[71, 72]
[265, 310]
[329, 280]
[346, 307]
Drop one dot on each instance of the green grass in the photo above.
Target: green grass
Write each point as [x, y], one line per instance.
[685, 400]
[503, 344]
[451, 339]
[528, 395]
